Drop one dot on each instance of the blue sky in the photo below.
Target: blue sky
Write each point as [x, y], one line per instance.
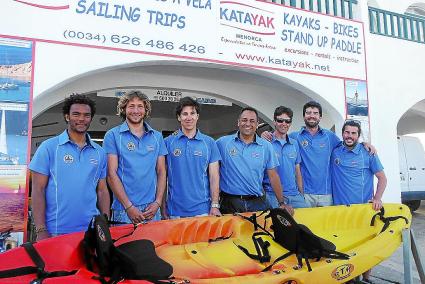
[10, 55]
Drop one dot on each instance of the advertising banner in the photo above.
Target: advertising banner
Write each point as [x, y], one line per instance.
[15, 94]
[357, 105]
[239, 32]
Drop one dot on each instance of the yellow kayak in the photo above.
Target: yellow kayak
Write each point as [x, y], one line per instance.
[244, 249]
[349, 228]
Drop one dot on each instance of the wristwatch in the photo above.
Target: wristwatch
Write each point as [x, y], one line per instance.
[215, 205]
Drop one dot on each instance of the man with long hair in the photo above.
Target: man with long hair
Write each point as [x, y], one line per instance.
[136, 162]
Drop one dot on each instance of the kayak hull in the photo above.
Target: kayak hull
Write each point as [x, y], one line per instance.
[204, 249]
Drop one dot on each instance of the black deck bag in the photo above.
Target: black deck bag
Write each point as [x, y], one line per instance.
[131, 260]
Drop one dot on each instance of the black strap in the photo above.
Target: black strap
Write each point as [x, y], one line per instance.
[253, 220]
[40, 265]
[282, 257]
[35, 257]
[38, 269]
[261, 247]
[18, 271]
[386, 220]
[300, 258]
[220, 238]
[135, 226]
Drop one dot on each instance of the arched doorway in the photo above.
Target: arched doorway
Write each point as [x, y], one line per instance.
[234, 87]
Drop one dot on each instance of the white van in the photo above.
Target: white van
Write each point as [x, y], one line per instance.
[412, 171]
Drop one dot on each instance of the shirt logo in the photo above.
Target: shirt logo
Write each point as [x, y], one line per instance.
[68, 159]
[131, 146]
[93, 161]
[150, 148]
[337, 161]
[233, 152]
[304, 143]
[322, 145]
[255, 155]
[197, 153]
[177, 152]
[292, 155]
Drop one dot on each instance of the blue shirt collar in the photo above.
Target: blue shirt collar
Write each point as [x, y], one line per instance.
[124, 127]
[303, 129]
[197, 136]
[287, 140]
[355, 150]
[257, 139]
[64, 138]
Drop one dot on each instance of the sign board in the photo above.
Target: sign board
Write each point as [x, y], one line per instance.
[166, 95]
[357, 106]
[239, 32]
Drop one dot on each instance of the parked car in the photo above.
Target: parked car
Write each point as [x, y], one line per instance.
[412, 171]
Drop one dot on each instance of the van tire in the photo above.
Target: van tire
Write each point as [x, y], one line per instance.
[413, 204]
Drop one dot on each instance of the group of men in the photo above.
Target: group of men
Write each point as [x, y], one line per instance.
[327, 171]
[189, 173]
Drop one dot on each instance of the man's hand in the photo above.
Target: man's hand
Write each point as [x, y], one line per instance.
[288, 208]
[267, 135]
[151, 210]
[376, 204]
[215, 212]
[135, 215]
[370, 148]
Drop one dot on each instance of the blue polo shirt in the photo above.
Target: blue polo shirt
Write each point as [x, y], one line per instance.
[188, 181]
[288, 154]
[137, 158]
[352, 174]
[73, 173]
[243, 165]
[316, 153]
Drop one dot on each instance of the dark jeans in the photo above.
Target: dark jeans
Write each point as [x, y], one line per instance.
[230, 205]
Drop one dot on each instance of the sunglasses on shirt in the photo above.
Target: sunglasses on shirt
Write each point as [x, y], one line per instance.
[282, 120]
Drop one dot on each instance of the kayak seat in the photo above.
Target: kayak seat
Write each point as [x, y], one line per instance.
[300, 240]
[131, 260]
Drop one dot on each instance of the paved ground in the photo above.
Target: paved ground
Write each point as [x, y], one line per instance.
[392, 269]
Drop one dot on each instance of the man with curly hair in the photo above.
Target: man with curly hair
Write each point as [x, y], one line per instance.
[136, 162]
[68, 175]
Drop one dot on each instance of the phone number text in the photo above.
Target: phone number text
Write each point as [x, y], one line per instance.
[131, 41]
